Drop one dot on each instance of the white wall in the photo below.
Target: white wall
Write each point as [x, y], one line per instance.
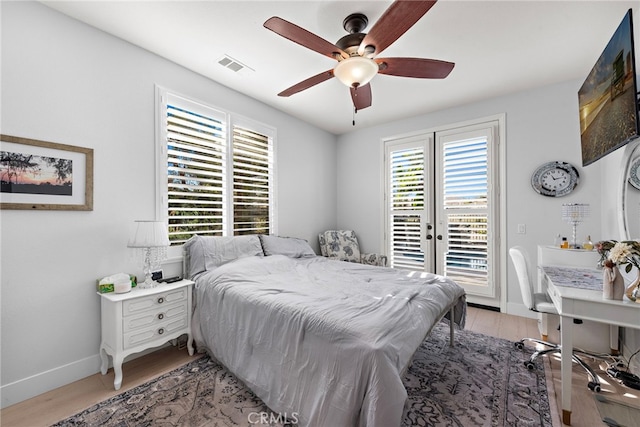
[65, 82]
[541, 126]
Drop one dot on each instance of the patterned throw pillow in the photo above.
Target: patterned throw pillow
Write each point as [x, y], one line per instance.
[342, 245]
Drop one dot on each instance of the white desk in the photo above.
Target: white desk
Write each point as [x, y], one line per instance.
[591, 336]
[577, 293]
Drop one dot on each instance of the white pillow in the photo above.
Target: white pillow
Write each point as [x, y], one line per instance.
[288, 246]
[207, 253]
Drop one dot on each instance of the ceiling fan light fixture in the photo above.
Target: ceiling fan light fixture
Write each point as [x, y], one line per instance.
[355, 71]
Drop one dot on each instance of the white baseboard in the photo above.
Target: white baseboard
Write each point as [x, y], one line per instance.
[32, 386]
[26, 388]
[520, 310]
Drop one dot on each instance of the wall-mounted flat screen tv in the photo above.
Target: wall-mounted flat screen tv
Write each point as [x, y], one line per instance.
[608, 98]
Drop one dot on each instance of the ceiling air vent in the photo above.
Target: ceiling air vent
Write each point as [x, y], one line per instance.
[234, 65]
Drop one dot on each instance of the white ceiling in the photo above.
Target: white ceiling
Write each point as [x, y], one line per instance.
[499, 47]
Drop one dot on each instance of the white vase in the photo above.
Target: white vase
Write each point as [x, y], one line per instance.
[612, 283]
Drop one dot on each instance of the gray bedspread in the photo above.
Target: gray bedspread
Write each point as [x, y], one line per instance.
[323, 342]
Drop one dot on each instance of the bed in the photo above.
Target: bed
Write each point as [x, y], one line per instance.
[320, 341]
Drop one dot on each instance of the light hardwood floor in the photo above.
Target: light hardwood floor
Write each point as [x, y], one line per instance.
[58, 404]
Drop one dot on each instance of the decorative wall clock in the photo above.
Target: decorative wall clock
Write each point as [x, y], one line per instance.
[555, 179]
[634, 173]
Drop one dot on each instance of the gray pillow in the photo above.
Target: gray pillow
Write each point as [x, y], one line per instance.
[288, 246]
[206, 253]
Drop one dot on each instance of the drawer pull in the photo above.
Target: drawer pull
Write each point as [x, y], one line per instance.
[161, 316]
[161, 331]
[160, 300]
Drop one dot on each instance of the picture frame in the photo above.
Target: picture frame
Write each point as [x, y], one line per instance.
[42, 175]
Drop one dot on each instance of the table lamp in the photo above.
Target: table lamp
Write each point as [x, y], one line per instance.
[152, 237]
[574, 214]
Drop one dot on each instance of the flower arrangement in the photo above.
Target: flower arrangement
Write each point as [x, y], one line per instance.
[620, 253]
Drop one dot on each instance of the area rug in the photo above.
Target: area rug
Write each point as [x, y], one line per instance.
[481, 381]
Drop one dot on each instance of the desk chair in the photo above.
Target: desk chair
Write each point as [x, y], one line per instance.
[541, 303]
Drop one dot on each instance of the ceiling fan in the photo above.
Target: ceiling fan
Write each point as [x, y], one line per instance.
[356, 52]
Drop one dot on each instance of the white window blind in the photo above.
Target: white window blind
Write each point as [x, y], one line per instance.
[218, 182]
[465, 191]
[407, 179]
[406, 202]
[252, 171]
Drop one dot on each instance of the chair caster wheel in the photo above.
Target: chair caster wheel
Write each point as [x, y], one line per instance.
[530, 365]
[518, 345]
[594, 386]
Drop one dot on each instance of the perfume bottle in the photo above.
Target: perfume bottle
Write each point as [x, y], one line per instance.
[588, 245]
[565, 243]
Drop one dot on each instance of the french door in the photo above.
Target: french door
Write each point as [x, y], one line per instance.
[441, 196]
[410, 203]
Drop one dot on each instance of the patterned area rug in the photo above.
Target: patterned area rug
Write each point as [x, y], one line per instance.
[482, 381]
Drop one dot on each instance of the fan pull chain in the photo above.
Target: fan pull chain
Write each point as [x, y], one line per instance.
[355, 110]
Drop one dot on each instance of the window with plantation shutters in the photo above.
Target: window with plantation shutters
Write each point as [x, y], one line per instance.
[467, 207]
[465, 203]
[196, 164]
[406, 206]
[216, 177]
[252, 171]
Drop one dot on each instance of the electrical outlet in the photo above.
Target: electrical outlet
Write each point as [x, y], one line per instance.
[522, 228]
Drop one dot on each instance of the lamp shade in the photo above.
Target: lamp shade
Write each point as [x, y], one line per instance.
[149, 234]
[575, 212]
[356, 71]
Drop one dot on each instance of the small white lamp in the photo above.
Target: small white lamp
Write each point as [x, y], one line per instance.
[152, 237]
[574, 214]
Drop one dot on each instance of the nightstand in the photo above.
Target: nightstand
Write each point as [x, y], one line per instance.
[142, 319]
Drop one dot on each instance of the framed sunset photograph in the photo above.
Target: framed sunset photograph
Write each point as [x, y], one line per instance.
[41, 175]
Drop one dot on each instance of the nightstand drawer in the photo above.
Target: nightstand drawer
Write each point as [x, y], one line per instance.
[157, 332]
[154, 316]
[138, 305]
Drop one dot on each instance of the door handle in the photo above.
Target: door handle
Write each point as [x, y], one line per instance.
[429, 237]
[439, 237]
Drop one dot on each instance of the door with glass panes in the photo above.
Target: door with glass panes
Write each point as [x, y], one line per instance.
[441, 201]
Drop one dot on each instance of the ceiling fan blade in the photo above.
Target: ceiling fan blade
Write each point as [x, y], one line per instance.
[306, 84]
[415, 67]
[303, 37]
[395, 21]
[361, 96]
